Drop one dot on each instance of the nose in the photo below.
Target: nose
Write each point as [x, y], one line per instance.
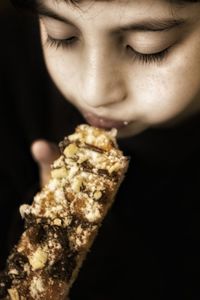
[102, 81]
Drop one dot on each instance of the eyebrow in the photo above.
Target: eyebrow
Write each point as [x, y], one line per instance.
[43, 10]
[150, 25]
[154, 25]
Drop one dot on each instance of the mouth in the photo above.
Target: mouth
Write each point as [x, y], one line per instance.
[104, 123]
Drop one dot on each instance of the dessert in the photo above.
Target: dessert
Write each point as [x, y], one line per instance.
[65, 216]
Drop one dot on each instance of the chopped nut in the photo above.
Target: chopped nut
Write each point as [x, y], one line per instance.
[90, 139]
[13, 272]
[74, 137]
[79, 230]
[38, 259]
[70, 150]
[27, 268]
[59, 173]
[67, 221]
[13, 294]
[37, 287]
[25, 208]
[76, 184]
[82, 159]
[97, 195]
[57, 222]
[116, 167]
[21, 248]
[58, 163]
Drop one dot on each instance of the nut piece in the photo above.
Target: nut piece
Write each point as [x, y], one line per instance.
[70, 150]
[76, 184]
[97, 195]
[59, 173]
[38, 259]
[116, 167]
[13, 272]
[57, 222]
[24, 209]
[74, 137]
[13, 294]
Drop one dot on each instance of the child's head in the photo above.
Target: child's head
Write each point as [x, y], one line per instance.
[133, 61]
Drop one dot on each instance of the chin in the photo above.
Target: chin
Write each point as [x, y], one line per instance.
[131, 130]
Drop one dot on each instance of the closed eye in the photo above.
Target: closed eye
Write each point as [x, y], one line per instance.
[64, 43]
[148, 58]
[135, 55]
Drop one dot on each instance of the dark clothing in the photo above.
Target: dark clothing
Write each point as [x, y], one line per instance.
[148, 246]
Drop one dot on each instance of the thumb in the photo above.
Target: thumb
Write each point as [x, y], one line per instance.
[44, 153]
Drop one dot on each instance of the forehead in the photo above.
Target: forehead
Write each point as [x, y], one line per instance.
[106, 3]
[174, 4]
[77, 2]
[112, 7]
[115, 13]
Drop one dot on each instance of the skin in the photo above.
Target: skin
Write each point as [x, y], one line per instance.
[99, 75]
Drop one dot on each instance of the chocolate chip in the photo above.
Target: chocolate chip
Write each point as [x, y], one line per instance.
[79, 222]
[63, 268]
[36, 234]
[30, 220]
[94, 148]
[5, 284]
[16, 261]
[103, 172]
[87, 166]
[57, 233]
[104, 198]
[70, 264]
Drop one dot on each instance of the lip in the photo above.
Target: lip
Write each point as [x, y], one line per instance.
[102, 122]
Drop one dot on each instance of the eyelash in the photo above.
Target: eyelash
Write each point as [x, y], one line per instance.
[149, 58]
[66, 43]
[143, 58]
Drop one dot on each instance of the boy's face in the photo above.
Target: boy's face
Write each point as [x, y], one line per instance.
[134, 62]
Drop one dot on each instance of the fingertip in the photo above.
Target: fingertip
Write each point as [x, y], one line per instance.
[39, 149]
[44, 151]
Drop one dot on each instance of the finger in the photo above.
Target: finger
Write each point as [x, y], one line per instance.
[44, 153]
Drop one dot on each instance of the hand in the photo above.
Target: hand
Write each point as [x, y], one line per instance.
[44, 153]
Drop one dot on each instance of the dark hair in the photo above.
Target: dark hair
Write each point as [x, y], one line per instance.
[27, 4]
[31, 4]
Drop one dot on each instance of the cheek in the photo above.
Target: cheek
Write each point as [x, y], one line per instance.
[171, 91]
[60, 67]
[63, 73]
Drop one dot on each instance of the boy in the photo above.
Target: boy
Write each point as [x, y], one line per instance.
[135, 65]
